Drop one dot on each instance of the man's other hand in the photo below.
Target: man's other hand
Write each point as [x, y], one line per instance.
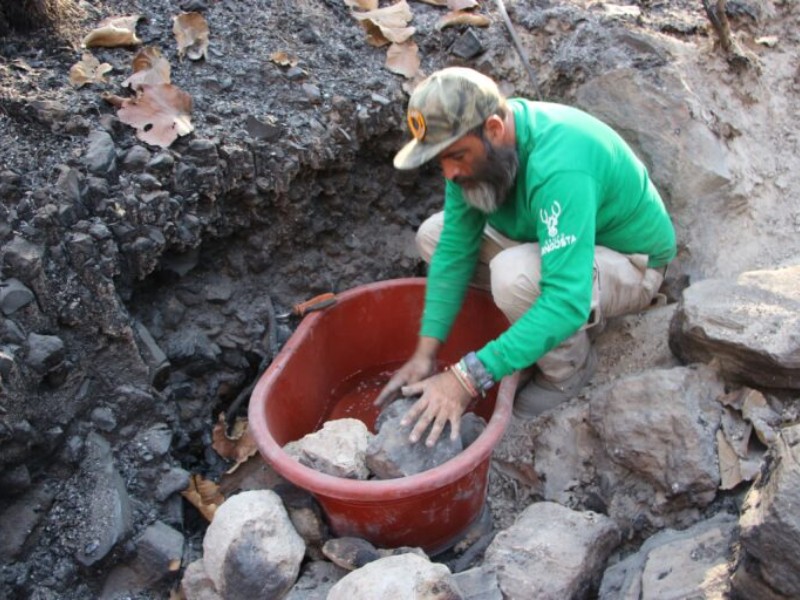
[416, 369]
[443, 399]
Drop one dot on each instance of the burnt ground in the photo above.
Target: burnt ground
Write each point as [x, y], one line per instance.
[285, 189]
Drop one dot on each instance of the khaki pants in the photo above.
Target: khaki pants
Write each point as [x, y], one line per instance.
[511, 272]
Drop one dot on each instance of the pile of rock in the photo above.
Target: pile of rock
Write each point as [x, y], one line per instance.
[346, 447]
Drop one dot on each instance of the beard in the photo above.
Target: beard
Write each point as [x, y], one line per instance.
[486, 189]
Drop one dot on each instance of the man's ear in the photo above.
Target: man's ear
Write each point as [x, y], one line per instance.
[494, 128]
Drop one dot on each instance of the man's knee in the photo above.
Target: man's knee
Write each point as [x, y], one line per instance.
[515, 280]
[428, 235]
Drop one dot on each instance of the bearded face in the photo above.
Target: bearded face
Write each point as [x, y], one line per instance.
[492, 178]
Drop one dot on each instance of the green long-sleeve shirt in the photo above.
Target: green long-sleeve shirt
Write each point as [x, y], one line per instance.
[578, 185]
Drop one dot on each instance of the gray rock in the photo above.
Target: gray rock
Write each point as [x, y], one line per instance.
[219, 290]
[13, 296]
[21, 519]
[107, 504]
[23, 257]
[352, 553]
[45, 352]
[156, 440]
[11, 332]
[152, 354]
[552, 552]
[316, 579]
[692, 563]
[173, 480]
[159, 551]
[672, 444]
[196, 584]
[402, 577]
[467, 46]
[103, 417]
[136, 158]
[770, 521]
[250, 549]
[69, 182]
[101, 157]
[390, 454]
[748, 324]
[479, 583]
[650, 116]
[337, 449]
[162, 161]
[192, 349]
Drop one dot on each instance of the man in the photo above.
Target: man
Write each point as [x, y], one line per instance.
[549, 209]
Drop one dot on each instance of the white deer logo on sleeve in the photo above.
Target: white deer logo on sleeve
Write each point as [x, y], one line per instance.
[550, 218]
[555, 240]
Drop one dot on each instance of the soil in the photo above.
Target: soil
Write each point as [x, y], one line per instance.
[285, 189]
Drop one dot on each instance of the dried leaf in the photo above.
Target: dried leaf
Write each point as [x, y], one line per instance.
[191, 33]
[388, 24]
[203, 495]
[730, 474]
[362, 4]
[284, 59]
[114, 32]
[88, 70]
[410, 85]
[461, 4]
[403, 59]
[149, 67]
[737, 431]
[462, 17]
[114, 100]
[239, 446]
[160, 114]
[435, 2]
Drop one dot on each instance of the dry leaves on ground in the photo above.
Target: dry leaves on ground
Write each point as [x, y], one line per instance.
[149, 68]
[284, 59]
[114, 32]
[403, 59]
[386, 25]
[362, 4]
[88, 70]
[160, 113]
[238, 447]
[203, 495]
[191, 33]
[389, 25]
[463, 17]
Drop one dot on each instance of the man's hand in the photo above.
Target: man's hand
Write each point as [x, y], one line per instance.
[443, 399]
[416, 369]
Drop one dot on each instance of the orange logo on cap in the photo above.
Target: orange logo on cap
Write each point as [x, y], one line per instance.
[416, 123]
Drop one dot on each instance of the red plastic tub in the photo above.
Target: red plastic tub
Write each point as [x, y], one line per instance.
[333, 366]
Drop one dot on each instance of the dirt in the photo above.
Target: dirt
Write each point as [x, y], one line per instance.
[284, 190]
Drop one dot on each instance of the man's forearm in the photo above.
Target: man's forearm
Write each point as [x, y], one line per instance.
[427, 347]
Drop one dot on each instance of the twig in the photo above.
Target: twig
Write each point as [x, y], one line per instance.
[518, 46]
[737, 57]
[719, 20]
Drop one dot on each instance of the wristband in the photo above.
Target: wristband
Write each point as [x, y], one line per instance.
[464, 380]
[478, 373]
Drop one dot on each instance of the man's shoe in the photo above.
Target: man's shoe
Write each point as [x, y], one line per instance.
[540, 395]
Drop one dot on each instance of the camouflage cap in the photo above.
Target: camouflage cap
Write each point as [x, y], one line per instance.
[443, 108]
